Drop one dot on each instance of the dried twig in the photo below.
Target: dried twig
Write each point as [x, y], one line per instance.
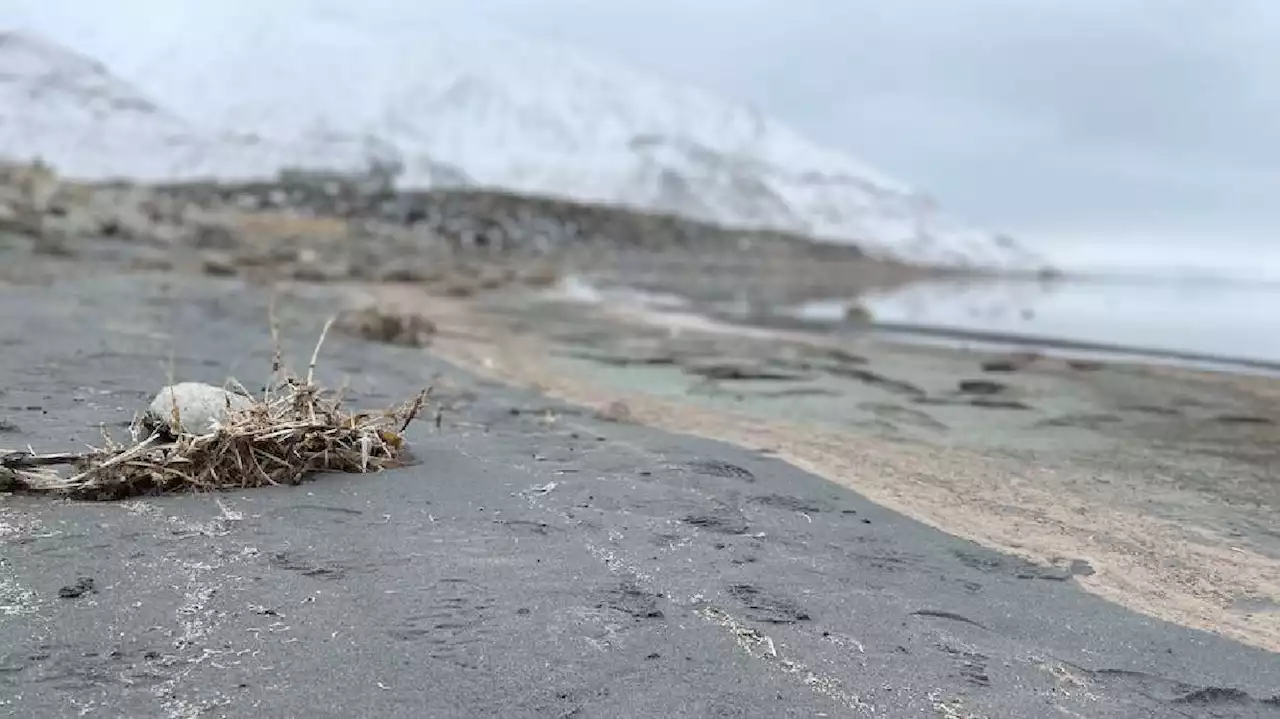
[315, 354]
[27, 460]
[412, 414]
[119, 457]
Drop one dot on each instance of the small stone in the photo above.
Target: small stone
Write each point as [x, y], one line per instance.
[217, 264]
[1081, 568]
[858, 314]
[81, 587]
[404, 272]
[199, 408]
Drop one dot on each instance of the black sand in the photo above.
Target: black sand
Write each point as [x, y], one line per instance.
[536, 563]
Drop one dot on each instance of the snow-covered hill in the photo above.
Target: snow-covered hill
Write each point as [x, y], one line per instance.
[51, 99]
[72, 112]
[226, 91]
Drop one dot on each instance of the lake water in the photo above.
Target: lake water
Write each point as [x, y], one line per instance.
[1160, 314]
[1229, 320]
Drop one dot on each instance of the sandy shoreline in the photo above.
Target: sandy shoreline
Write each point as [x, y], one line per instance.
[555, 552]
[544, 559]
[1101, 488]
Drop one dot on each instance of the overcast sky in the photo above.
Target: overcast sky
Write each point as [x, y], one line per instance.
[1061, 117]
[1052, 118]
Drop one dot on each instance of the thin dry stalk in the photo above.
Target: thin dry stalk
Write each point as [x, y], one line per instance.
[315, 354]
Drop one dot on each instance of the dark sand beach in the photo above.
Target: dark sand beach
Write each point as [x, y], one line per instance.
[626, 512]
[1118, 466]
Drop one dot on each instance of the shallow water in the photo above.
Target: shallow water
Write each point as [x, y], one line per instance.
[1201, 323]
[1230, 320]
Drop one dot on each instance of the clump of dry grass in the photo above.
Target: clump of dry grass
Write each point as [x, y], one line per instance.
[387, 325]
[294, 429]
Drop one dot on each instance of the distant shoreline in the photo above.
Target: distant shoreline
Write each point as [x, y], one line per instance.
[918, 333]
[1197, 360]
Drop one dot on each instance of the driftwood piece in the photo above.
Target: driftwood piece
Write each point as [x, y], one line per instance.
[10, 459]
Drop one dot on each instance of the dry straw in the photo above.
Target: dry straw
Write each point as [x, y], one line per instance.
[293, 430]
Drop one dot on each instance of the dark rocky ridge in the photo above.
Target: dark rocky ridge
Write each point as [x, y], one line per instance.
[494, 220]
[328, 226]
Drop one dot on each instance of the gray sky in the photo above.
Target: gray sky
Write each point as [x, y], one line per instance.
[1055, 117]
[1093, 119]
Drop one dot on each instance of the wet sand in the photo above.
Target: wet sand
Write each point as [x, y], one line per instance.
[1152, 487]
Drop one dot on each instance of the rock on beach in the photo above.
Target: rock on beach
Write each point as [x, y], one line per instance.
[200, 407]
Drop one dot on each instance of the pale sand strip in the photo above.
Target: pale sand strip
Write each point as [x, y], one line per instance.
[1141, 562]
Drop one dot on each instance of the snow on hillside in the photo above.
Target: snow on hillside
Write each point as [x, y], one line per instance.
[70, 111]
[236, 90]
[52, 99]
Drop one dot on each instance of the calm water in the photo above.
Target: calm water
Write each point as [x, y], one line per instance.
[1199, 322]
[1232, 320]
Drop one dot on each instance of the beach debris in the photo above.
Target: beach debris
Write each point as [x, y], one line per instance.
[878, 380]
[81, 587]
[980, 386]
[218, 264]
[734, 369]
[616, 411]
[1012, 362]
[839, 354]
[998, 403]
[539, 490]
[386, 325]
[197, 437]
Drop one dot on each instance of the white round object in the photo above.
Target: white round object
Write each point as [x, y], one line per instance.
[201, 407]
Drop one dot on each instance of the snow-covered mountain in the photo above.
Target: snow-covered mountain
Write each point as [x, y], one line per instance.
[235, 92]
[51, 98]
[72, 112]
